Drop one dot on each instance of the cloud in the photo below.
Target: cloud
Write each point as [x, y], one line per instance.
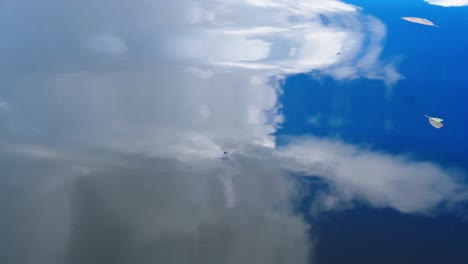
[175, 84]
[106, 44]
[129, 145]
[378, 179]
[132, 205]
[448, 3]
[367, 63]
[316, 120]
[333, 122]
[145, 210]
[160, 111]
[294, 40]
[3, 103]
[205, 74]
[199, 15]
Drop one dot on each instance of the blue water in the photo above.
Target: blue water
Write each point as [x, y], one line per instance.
[364, 235]
[434, 62]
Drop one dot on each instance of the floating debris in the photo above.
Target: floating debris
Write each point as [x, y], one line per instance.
[421, 21]
[435, 122]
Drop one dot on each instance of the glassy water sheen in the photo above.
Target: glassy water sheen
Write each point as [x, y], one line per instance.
[226, 132]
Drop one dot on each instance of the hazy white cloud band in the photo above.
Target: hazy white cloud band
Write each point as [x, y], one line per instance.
[175, 84]
[378, 179]
[448, 3]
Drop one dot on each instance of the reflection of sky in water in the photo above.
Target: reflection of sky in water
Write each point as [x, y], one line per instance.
[114, 123]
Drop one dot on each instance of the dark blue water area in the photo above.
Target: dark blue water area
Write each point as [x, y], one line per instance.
[434, 63]
[366, 115]
[365, 235]
[427, 52]
[362, 112]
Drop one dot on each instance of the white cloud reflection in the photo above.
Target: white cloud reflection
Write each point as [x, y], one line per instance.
[107, 44]
[378, 179]
[162, 89]
[182, 83]
[285, 37]
[448, 3]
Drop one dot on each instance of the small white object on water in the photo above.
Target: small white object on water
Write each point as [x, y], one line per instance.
[435, 122]
[419, 20]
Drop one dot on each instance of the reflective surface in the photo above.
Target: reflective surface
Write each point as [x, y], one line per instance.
[254, 131]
